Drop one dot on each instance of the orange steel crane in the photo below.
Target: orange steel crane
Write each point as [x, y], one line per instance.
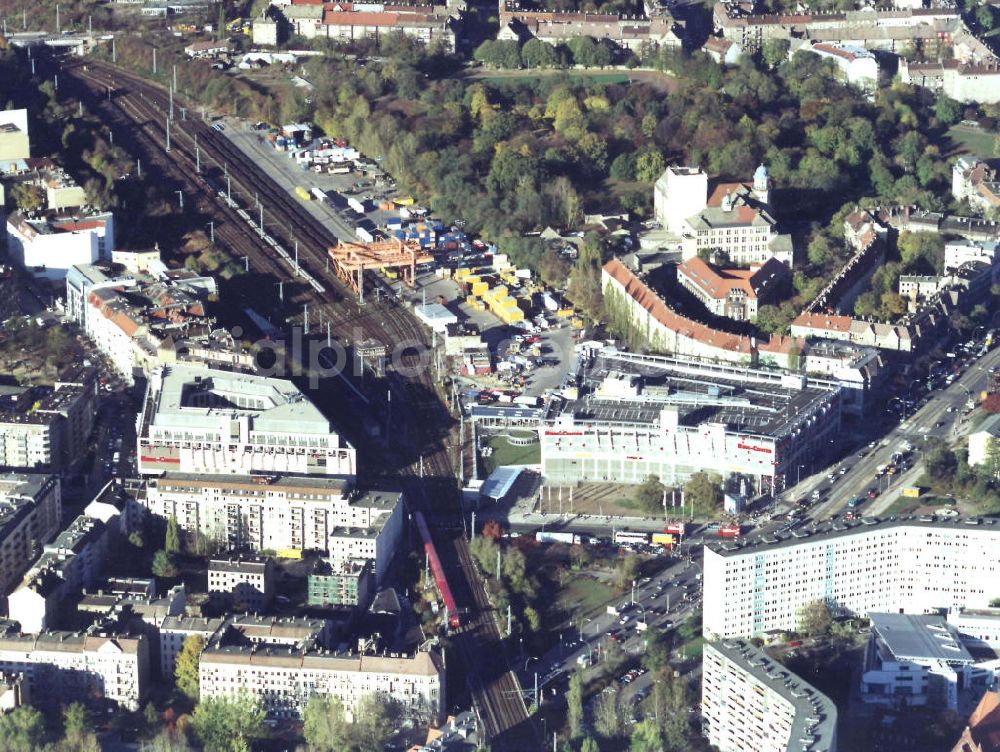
[351, 259]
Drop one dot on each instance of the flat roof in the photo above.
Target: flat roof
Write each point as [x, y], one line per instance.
[194, 397]
[815, 714]
[500, 482]
[741, 398]
[831, 530]
[920, 637]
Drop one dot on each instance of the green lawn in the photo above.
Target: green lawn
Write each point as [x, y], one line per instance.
[972, 140]
[506, 454]
[584, 596]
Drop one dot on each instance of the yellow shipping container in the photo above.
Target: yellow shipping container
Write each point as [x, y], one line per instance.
[473, 278]
[471, 300]
[665, 539]
[404, 201]
[576, 323]
[480, 288]
[302, 193]
[289, 553]
[913, 492]
[565, 312]
[462, 273]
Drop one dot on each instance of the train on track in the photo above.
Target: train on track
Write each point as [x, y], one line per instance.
[454, 616]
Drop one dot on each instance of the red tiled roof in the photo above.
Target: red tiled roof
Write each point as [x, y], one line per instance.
[829, 322]
[721, 189]
[834, 50]
[71, 226]
[719, 282]
[670, 319]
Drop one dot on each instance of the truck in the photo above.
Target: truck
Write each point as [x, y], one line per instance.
[663, 539]
[547, 536]
[319, 195]
[339, 170]
[731, 530]
[356, 205]
[526, 401]
[913, 492]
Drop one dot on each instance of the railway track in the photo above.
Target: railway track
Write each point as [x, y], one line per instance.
[420, 415]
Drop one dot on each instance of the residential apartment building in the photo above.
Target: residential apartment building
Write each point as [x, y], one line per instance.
[175, 630]
[284, 678]
[734, 293]
[242, 581]
[752, 703]
[66, 667]
[982, 440]
[661, 329]
[69, 564]
[860, 332]
[971, 81]
[960, 251]
[858, 66]
[30, 508]
[282, 514]
[975, 181]
[50, 246]
[935, 29]
[347, 22]
[629, 32]
[48, 429]
[346, 582]
[14, 135]
[207, 421]
[910, 566]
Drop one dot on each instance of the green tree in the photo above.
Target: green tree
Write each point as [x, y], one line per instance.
[820, 252]
[172, 544]
[649, 495]
[376, 718]
[28, 197]
[186, 668]
[815, 618]
[623, 166]
[167, 741]
[703, 493]
[538, 54]
[985, 17]
[627, 571]
[589, 745]
[163, 565]
[646, 737]
[607, 718]
[939, 460]
[649, 165]
[775, 52]
[574, 705]
[22, 729]
[515, 567]
[657, 652]
[793, 357]
[76, 722]
[228, 724]
[323, 723]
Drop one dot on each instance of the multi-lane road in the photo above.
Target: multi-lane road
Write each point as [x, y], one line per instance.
[943, 415]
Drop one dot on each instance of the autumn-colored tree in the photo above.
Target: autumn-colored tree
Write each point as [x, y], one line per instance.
[493, 529]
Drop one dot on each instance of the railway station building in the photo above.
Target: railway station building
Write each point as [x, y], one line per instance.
[637, 416]
[207, 421]
[912, 565]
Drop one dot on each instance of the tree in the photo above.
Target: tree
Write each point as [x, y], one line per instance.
[186, 668]
[172, 543]
[793, 357]
[76, 723]
[376, 718]
[28, 197]
[515, 566]
[649, 165]
[22, 729]
[649, 495]
[135, 539]
[646, 737]
[538, 54]
[607, 720]
[163, 565]
[228, 724]
[627, 571]
[703, 493]
[657, 650]
[574, 705]
[775, 52]
[623, 167]
[323, 723]
[815, 618]
[948, 111]
[984, 17]
[939, 460]
[589, 745]
[493, 530]
[995, 603]
[167, 741]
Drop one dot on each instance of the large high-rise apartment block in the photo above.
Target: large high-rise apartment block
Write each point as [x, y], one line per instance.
[911, 565]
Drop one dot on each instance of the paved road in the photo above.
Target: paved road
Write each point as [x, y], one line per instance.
[915, 429]
[680, 579]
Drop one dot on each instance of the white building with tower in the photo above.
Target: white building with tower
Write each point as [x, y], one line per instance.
[733, 219]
